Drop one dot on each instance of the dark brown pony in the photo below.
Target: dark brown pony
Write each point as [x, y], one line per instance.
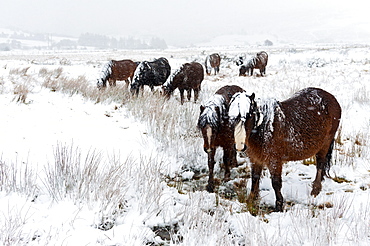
[276, 132]
[259, 62]
[117, 70]
[213, 62]
[216, 131]
[188, 77]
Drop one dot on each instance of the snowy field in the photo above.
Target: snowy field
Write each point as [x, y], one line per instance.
[83, 167]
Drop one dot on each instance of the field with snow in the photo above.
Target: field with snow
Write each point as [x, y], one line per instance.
[80, 166]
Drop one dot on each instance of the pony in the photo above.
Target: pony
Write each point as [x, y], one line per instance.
[276, 132]
[259, 61]
[188, 77]
[117, 70]
[216, 131]
[153, 73]
[213, 61]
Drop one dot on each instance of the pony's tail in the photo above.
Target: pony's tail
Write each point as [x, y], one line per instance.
[328, 160]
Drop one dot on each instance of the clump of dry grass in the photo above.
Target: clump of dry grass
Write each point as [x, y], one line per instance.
[21, 92]
[19, 71]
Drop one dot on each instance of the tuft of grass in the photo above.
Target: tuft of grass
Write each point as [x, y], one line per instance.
[21, 92]
[19, 71]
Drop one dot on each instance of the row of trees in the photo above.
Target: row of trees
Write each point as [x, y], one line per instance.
[102, 41]
[87, 39]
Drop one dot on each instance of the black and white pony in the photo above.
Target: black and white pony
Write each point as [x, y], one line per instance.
[212, 61]
[152, 74]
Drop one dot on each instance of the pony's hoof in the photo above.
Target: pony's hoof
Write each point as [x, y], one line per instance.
[210, 188]
[316, 190]
[279, 207]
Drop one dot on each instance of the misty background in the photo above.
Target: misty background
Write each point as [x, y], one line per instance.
[188, 23]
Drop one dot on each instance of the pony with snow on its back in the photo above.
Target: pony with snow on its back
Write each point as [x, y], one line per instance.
[276, 132]
[259, 61]
[213, 61]
[152, 74]
[117, 70]
[188, 77]
[216, 132]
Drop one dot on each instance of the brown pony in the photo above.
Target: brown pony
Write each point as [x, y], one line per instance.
[259, 62]
[213, 61]
[216, 131]
[276, 132]
[117, 70]
[188, 77]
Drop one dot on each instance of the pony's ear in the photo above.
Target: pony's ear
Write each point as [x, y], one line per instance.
[202, 108]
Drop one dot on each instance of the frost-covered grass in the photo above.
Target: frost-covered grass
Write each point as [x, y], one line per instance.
[82, 166]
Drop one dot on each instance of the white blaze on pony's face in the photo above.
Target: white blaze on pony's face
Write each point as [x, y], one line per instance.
[239, 136]
[239, 110]
[209, 139]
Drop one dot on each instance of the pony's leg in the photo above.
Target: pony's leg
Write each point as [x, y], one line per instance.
[251, 71]
[229, 159]
[182, 96]
[256, 175]
[211, 164]
[196, 95]
[112, 82]
[189, 94]
[275, 171]
[322, 166]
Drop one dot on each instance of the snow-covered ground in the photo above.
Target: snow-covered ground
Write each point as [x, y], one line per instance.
[77, 172]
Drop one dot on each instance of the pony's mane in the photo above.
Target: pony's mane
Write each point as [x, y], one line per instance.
[209, 114]
[169, 81]
[267, 110]
[107, 70]
[251, 62]
[239, 107]
[138, 71]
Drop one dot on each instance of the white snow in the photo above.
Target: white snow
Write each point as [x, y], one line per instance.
[142, 183]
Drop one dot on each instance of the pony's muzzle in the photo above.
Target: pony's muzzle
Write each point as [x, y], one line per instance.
[207, 150]
[240, 147]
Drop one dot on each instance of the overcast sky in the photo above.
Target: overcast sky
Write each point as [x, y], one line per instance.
[189, 21]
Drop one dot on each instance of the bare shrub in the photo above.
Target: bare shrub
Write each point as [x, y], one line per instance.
[19, 71]
[54, 73]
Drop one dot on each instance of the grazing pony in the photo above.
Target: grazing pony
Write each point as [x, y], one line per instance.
[213, 61]
[117, 70]
[216, 131]
[188, 77]
[276, 132]
[153, 73]
[259, 62]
